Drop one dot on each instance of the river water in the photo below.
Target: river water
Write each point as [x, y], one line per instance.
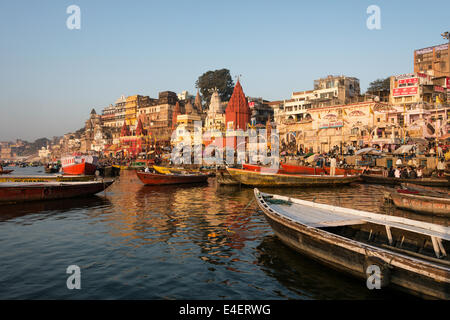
[176, 242]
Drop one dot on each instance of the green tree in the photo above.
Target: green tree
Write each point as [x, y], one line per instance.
[379, 85]
[220, 79]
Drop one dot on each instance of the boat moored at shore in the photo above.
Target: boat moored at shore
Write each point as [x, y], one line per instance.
[408, 254]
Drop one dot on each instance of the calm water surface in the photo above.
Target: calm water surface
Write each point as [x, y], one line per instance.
[188, 242]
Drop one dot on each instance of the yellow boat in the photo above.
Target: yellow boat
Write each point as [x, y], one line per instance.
[166, 170]
[45, 178]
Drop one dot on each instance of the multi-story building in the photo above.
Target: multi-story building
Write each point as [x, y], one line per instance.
[120, 111]
[434, 61]
[261, 111]
[329, 91]
[109, 116]
[132, 105]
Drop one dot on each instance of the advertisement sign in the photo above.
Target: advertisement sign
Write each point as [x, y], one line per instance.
[406, 91]
[447, 83]
[439, 89]
[332, 124]
[408, 81]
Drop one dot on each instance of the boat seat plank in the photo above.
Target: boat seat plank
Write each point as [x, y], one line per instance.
[312, 217]
[314, 214]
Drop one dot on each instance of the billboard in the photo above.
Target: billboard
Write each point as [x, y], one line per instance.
[405, 91]
[408, 81]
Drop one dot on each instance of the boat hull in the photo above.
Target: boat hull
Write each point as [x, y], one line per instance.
[148, 178]
[46, 178]
[397, 181]
[49, 191]
[287, 180]
[6, 172]
[353, 257]
[224, 178]
[80, 169]
[421, 203]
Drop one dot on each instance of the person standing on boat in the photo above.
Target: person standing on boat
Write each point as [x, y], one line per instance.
[333, 166]
[397, 172]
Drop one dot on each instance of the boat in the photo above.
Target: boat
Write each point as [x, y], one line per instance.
[406, 254]
[426, 190]
[34, 191]
[224, 178]
[150, 178]
[271, 179]
[292, 169]
[379, 179]
[6, 171]
[425, 202]
[56, 178]
[79, 165]
[166, 170]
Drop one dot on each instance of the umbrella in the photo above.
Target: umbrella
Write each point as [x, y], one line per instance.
[404, 149]
[312, 158]
[371, 151]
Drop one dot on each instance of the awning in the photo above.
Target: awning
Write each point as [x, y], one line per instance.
[371, 151]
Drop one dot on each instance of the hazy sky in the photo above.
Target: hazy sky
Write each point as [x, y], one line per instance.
[51, 77]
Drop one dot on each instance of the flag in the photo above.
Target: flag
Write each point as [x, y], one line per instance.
[345, 113]
[371, 111]
[319, 116]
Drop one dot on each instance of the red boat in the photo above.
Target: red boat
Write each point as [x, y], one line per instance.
[149, 178]
[255, 168]
[6, 171]
[312, 170]
[79, 165]
[24, 192]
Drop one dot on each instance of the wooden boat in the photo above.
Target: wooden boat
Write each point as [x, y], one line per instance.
[149, 178]
[32, 191]
[426, 190]
[287, 180]
[224, 178]
[431, 182]
[429, 202]
[79, 165]
[6, 171]
[407, 254]
[58, 178]
[313, 170]
[165, 170]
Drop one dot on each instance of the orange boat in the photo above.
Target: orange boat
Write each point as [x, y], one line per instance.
[255, 168]
[149, 178]
[79, 165]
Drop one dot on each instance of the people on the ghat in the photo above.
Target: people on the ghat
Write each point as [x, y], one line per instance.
[391, 172]
[404, 173]
[412, 174]
[419, 172]
[397, 172]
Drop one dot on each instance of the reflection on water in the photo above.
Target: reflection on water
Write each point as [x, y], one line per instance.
[174, 242]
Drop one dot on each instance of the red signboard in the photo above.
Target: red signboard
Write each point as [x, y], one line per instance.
[447, 83]
[406, 91]
[439, 89]
[408, 81]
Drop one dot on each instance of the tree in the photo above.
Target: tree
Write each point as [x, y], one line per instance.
[220, 79]
[379, 85]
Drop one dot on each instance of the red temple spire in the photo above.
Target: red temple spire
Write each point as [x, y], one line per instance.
[238, 110]
[125, 130]
[175, 113]
[139, 128]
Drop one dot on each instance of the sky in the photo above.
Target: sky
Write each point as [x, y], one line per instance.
[51, 77]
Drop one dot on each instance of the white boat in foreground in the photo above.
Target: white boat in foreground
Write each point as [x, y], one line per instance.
[409, 255]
